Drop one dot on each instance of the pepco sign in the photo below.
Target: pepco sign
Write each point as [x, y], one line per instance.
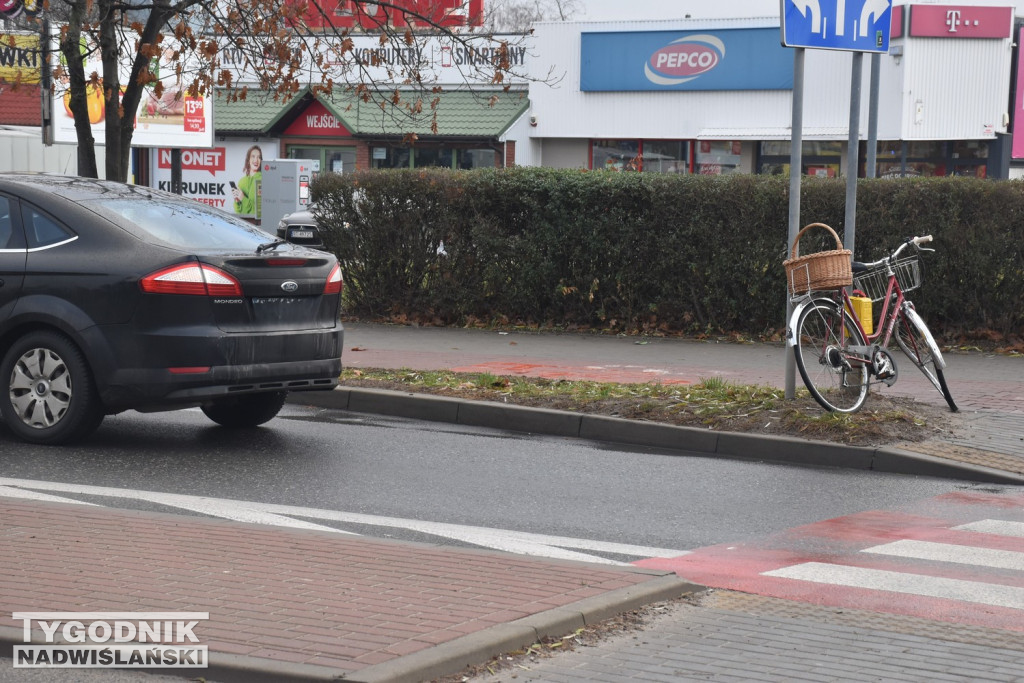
[726, 59]
[684, 59]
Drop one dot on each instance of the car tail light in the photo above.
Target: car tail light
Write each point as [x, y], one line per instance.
[286, 261]
[334, 281]
[191, 278]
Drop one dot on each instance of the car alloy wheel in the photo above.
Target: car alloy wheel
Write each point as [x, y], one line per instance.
[51, 397]
[40, 388]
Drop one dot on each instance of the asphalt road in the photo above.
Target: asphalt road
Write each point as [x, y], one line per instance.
[404, 470]
[423, 481]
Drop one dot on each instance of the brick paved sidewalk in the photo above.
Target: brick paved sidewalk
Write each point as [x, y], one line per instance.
[289, 604]
[729, 636]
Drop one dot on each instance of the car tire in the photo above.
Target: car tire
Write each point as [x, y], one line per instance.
[50, 397]
[249, 410]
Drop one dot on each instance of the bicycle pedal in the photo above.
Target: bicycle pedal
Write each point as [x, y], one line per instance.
[883, 367]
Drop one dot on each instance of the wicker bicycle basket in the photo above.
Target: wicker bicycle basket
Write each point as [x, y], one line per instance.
[820, 271]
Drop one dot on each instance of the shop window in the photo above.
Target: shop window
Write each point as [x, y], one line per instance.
[970, 149]
[333, 159]
[970, 158]
[819, 158]
[475, 158]
[432, 156]
[665, 156]
[390, 157]
[425, 157]
[615, 155]
[925, 148]
[916, 158]
[340, 160]
[718, 157]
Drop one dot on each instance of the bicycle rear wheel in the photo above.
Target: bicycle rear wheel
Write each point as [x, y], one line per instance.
[836, 378]
[913, 337]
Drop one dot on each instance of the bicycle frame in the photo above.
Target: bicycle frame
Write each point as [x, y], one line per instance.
[892, 310]
[887, 319]
[838, 360]
[857, 354]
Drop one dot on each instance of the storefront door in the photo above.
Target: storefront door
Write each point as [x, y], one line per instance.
[333, 158]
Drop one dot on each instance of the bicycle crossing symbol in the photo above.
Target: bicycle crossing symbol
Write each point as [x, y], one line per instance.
[853, 25]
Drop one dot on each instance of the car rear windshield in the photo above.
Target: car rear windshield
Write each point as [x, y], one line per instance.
[183, 223]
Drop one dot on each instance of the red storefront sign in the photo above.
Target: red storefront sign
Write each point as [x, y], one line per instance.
[397, 13]
[316, 121]
[896, 22]
[960, 21]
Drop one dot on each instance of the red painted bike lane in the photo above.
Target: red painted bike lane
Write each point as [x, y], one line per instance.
[957, 558]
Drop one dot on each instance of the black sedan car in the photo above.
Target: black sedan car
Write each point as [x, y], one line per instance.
[116, 297]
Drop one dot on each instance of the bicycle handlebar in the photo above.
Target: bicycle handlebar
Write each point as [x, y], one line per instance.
[916, 241]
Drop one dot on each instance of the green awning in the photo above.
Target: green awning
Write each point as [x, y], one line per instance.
[252, 116]
[480, 113]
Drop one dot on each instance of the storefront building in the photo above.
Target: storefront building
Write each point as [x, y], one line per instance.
[706, 95]
[714, 96]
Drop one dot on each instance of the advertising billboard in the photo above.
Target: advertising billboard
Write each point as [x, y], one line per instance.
[172, 119]
[19, 58]
[225, 175]
[727, 59]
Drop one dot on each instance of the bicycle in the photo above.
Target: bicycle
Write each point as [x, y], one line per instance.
[838, 360]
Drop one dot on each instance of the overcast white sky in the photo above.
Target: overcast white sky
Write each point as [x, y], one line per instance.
[621, 10]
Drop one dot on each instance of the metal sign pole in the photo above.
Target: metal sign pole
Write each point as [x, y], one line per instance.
[829, 24]
[853, 151]
[796, 164]
[45, 80]
[871, 161]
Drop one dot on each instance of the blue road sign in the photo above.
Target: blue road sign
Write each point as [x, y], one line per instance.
[853, 25]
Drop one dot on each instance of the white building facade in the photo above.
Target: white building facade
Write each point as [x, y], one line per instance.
[715, 95]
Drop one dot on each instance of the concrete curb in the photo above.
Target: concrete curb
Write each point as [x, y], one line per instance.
[439, 660]
[781, 449]
[477, 648]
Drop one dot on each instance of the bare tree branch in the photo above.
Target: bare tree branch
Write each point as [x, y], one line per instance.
[372, 51]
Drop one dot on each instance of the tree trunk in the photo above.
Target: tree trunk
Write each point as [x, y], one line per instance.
[71, 48]
[116, 155]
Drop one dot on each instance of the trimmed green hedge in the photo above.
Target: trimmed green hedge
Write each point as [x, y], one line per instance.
[631, 251]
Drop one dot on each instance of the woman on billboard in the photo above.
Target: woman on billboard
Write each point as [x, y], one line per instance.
[245, 191]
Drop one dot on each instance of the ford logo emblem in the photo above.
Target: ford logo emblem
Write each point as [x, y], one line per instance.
[289, 286]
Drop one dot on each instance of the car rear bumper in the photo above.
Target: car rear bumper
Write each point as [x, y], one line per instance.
[166, 371]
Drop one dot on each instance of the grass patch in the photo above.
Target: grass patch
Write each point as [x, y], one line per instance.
[711, 403]
[714, 393]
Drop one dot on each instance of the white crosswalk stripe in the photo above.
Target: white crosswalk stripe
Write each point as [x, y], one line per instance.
[904, 582]
[948, 552]
[920, 556]
[994, 526]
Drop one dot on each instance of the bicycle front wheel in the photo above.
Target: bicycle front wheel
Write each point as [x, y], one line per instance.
[913, 337]
[836, 377]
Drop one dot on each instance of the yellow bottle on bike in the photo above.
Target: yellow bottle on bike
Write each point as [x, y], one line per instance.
[862, 311]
